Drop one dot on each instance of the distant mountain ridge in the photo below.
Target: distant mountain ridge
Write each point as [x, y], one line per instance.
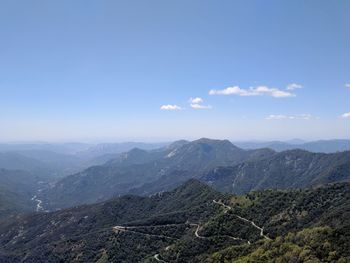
[321, 146]
[116, 148]
[63, 148]
[16, 161]
[60, 159]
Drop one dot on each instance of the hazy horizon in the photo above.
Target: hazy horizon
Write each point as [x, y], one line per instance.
[101, 141]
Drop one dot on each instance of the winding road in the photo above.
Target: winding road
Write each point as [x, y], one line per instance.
[133, 229]
[227, 208]
[156, 257]
[197, 230]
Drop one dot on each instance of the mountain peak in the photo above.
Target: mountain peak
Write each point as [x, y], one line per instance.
[137, 150]
[208, 140]
[177, 144]
[222, 144]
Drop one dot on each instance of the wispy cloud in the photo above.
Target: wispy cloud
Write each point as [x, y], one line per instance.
[347, 85]
[291, 117]
[196, 103]
[196, 100]
[277, 117]
[170, 107]
[200, 107]
[253, 91]
[346, 115]
[294, 86]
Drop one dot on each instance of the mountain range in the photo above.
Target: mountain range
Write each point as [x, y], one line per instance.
[321, 146]
[167, 167]
[288, 169]
[216, 162]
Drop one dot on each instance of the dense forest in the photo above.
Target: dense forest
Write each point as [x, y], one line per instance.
[192, 223]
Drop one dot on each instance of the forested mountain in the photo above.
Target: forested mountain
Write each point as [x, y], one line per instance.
[192, 223]
[216, 162]
[289, 169]
[163, 168]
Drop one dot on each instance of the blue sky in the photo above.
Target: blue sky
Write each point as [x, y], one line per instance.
[102, 70]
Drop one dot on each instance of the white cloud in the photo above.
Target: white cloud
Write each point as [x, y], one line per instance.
[196, 100]
[347, 85]
[276, 117]
[307, 117]
[197, 104]
[200, 107]
[170, 107]
[257, 91]
[346, 115]
[291, 117]
[228, 91]
[294, 86]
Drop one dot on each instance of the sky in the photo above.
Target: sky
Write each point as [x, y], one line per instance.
[163, 70]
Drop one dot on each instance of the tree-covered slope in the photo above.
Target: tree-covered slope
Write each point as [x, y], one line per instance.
[289, 169]
[192, 223]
